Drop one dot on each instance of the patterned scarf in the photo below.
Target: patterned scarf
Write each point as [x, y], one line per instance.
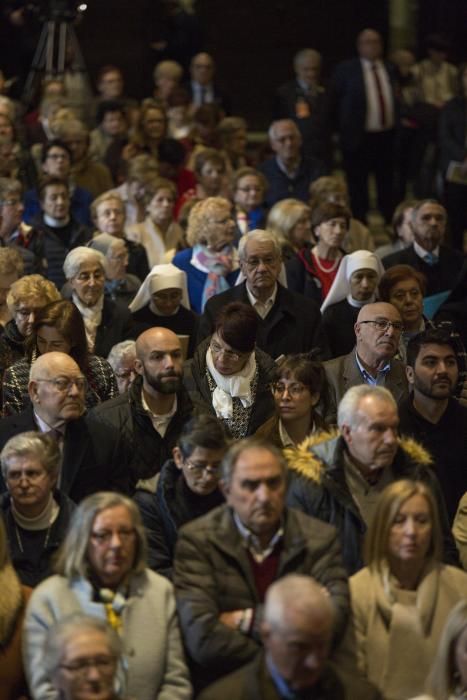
[218, 266]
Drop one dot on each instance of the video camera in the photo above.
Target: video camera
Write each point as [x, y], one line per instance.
[62, 10]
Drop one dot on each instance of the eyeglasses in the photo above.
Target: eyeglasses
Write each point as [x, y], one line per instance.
[104, 664]
[104, 537]
[294, 390]
[199, 469]
[63, 384]
[228, 354]
[12, 203]
[253, 188]
[267, 261]
[31, 475]
[382, 324]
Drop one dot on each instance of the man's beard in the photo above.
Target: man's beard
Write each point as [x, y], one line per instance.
[171, 386]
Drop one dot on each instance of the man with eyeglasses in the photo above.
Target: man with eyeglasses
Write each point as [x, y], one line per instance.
[94, 458]
[202, 88]
[288, 322]
[14, 232]
[377, 333]
[187, 487]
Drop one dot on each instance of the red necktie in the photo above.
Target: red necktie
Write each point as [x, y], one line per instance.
[379, 90]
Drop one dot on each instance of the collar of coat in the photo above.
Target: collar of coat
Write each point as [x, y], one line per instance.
[309, 459]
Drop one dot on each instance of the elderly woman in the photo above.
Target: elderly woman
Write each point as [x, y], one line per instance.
[229, 376]
[209, 263]
[210, 170]
[14, 599]
[233, 136]
[448, 676]
[101, 571]
[82, 655]
[150, 128]
[119, 284]
[248, 186]
[296, 388]
[106, 322]
[167, 76]
[354, 286]
[36, 514]
[289, 220]
[400, 600]
[314, 267]
[122, 360]
[11, 269]
[163, 301]
[26, 296]
[58, 327]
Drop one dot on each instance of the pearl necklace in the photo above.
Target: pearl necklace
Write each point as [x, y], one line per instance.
[326, 270]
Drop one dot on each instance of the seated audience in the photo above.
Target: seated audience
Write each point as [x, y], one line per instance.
[167, 76]
[171, 161]
[202, 87]
[106, 322]
[313, 269]
[11, 269]
[180, 123]
[296, 388]
[187, 487]
[122, 360]
[210, 171]
[459, 530]
[93, 457]
[14, 233]
[400, 600]
[149, 129]
[80, 646]
[402, 232]
[108, 214]
[233, 139]
[290, 221]
[248, 186]
[209, 263]
[354, 286]
[58, 327]
[119, 285]
[150, 416]
[159, 233]
[101, 571]
[140, 170]
[229, 376]
[287, 321]
[111, 127]
[14, 599]
[35, 512]
[162, 300]
[226, 560]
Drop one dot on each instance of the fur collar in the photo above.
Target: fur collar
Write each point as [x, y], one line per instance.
[11, 603]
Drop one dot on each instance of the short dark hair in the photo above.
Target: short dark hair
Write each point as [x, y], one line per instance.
[205, 431]
[396, 274]
[107, 106]
[66, 318]
[304, 368]
[208, 155]
[49, 182]
[398, 215]
[430, 336]
[237, 325]
[325, 211]
[171, 151]
[54, 143]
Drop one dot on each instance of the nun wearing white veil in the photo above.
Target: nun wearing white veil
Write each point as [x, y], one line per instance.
[354, 286]
[162, 300]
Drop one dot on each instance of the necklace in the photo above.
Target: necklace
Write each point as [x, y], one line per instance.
[326, 270]
[20, 543]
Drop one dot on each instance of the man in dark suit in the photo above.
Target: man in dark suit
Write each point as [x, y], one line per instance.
[93, 458]
[303, 101]
[201, 87]
[440, 265]
[362, 104]
[288, 323]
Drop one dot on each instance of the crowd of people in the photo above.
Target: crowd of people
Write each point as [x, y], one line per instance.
[233, 428]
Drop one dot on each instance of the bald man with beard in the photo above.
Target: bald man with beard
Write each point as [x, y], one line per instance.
[377, 333]
[150, 416]
[94, 458]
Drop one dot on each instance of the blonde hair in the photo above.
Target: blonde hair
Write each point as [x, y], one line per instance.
[31, 288]
[105, 197]
[11, 261]
[284, 216]
[169, 69]
[200, 220]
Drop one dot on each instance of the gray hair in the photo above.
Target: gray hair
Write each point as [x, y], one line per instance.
[295, 592]
[272, 128]
[303, 54]
[40, 445]
[119, 351]
[347, 412]
[258, 236]
[80, 255]
[65, 629]
[250, 443]
[72, 561]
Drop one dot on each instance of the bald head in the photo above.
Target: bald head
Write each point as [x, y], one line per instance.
[377, 330]
[153, 338]
[52, 364]
[159, 360]
[57, 388]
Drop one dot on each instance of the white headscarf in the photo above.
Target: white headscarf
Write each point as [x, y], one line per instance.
[359, 260]
[161, 277]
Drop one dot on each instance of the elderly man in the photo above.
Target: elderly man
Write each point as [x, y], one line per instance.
[303, 101]
[288, 173]
[150, 416]
[432, 415]
[296, 633]
[226, 561]
[362, 105]
[93, 458]
[287, 321]
[339, 478]
[377, 332]
[427, 254]
[16, 234]
[201, 87]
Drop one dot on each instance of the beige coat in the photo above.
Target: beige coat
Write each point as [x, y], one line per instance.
[395, 644]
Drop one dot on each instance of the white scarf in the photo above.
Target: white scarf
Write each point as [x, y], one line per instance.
[92, 317]
[236, 385]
